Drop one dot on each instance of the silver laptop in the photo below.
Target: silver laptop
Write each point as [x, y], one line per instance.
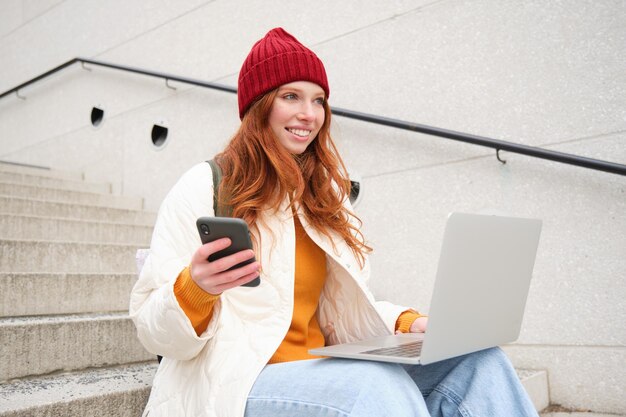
[480, 292]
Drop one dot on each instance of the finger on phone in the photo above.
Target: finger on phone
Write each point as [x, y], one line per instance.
[227, 262]
[248, 278]
[238, 282]
[233, 276]
[206, 250]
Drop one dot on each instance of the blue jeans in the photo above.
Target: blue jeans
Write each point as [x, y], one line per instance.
[481, 384]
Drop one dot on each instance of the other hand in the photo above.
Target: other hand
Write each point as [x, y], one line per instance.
[419, 325]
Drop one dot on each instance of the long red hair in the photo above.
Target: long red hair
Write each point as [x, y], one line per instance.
[258, 173]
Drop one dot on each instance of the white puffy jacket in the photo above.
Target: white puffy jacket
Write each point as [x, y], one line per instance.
[212, 374]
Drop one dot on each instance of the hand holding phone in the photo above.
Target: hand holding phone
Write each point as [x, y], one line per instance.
[226, 259]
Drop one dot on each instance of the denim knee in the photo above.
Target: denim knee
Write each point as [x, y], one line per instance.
[482, 383]
[386, 389]
[337, 388]
[489, 359]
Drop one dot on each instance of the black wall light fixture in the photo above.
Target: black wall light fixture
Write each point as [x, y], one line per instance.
[356, 188]
[159, 135]
[97, 115]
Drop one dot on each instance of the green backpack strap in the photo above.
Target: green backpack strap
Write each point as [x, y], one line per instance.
[217, 179]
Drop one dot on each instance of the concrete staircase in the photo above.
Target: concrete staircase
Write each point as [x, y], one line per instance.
[67, 250]
[67, 265]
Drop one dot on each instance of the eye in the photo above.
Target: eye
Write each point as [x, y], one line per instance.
[290, 96]
[320, 101]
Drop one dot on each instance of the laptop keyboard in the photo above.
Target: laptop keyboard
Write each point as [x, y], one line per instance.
[407, 350]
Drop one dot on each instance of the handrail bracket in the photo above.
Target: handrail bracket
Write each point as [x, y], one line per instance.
[167, 84]
[498, 156]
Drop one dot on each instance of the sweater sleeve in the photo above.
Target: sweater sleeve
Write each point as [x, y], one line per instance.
[195, 302]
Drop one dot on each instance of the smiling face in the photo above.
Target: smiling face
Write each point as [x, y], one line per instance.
[297, 115]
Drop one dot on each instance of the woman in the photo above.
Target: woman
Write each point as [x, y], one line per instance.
[231, 350]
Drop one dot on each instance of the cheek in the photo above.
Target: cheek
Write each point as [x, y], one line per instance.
[321, 116]
[275, 120]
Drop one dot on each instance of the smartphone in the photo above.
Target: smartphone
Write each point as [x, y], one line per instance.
[213, 228]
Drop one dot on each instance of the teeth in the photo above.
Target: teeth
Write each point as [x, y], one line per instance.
[300, 132]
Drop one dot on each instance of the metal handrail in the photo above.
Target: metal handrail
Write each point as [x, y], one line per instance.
[498, 145]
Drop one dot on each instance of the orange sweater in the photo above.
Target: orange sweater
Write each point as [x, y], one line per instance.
[304, 332]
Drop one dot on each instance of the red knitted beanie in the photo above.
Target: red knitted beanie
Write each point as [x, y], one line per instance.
[275, 60]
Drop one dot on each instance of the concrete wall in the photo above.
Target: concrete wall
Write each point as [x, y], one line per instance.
[548, 74]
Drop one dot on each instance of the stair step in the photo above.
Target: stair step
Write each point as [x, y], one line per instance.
[26, 206]
[40, 345]
[66, 257]
[61, 183]
[536, 384]
[58, 229]
[44, 293]
[67, 251]
[39, 171]
[116, 391]
[66, 196]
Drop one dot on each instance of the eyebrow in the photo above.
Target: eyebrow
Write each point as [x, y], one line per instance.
[299, 90]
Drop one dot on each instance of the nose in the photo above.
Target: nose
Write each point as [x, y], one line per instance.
[306, 113]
